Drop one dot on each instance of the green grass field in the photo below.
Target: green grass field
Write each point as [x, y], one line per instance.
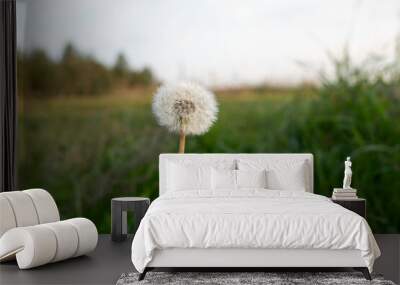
[86, 150]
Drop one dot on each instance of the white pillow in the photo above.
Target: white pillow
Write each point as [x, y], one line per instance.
[251, 178]
[188, 177]
[292, 179]
[224, 179]
[282, 174]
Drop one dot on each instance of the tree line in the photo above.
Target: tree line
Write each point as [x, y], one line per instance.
[75, 74]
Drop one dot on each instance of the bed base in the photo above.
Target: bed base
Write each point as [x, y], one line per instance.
[251, 259]
[363, 270]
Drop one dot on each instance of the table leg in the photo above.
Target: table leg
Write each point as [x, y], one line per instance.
[119, 222]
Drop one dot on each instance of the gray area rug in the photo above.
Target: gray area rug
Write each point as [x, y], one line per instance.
[229, 278]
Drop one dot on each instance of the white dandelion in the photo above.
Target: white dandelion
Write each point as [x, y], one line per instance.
[185, 108]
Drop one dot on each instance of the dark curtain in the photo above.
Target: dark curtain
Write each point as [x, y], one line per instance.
[7, 94]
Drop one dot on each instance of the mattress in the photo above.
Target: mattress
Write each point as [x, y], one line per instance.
[250, 219]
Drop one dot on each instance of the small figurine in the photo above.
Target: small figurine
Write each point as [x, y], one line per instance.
[347, 174]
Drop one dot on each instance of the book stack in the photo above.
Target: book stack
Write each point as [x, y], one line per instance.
[344, 194]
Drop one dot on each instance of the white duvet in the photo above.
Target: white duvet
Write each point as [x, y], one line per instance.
[250, 219]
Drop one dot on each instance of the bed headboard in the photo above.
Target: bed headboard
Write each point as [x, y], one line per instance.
[215, 158]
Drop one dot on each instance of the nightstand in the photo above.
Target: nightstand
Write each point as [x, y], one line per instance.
[357, 205]
[119, 208]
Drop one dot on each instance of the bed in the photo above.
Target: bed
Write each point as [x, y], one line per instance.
[245, 211]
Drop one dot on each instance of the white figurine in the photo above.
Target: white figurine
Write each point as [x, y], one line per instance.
[347, 174]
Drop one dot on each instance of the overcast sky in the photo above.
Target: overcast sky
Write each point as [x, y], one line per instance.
[216, 42]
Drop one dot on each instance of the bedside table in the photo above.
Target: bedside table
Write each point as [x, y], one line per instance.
[357, 205]
[119, 208]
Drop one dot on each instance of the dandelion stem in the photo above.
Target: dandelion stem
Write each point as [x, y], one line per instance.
[181, 142]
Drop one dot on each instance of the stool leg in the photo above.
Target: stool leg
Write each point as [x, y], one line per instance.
[124, 222]
[118, 226]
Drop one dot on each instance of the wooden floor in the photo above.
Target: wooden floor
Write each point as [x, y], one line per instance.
[110, 260]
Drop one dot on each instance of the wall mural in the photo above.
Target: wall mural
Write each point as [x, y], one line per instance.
[288, 77]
